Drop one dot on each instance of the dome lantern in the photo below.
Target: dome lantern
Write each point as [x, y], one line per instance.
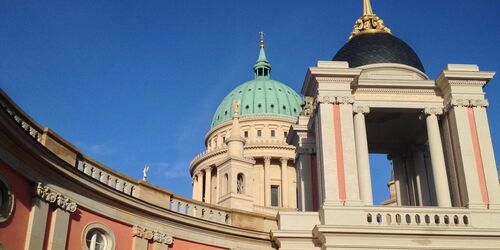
[262, 68]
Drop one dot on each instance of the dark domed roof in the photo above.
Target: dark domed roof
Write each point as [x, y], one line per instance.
[380, 47]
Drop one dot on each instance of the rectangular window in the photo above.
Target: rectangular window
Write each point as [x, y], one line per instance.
[224, 139]
[245, 134]
[274, 196]
[259, 133]
[285, 134]
[273, 133]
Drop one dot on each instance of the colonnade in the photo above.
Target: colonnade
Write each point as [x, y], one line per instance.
[203, 184]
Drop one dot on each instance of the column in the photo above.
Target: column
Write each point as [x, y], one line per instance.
[37, 224]
[195, 187]
[208, 185]
[364, 176]
[437, 157]
[58, 229]
[421, 176]
[284, 182]
[267, 180]
[400, 179]
[200, 186]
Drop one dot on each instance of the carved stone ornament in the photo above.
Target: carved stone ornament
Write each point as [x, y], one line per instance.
[345, 99]
[480, 103]
[324, 99]
[49, 195]
[148, 234]
[433, 111]
[307, 106]
[361, 109]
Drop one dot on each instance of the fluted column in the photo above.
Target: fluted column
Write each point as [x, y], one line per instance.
[364, 176]
[267, 180]
[437, 157]
[208, 185]
[284, 182]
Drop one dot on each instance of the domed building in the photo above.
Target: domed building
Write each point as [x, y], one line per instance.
[266, 109]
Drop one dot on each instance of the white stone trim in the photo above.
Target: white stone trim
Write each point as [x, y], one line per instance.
[8, 199]
[51, 196]
[107, 233]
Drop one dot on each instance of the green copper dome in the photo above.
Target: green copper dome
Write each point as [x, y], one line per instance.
[260, 97]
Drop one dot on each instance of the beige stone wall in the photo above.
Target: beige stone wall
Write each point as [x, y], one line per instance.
[269, 142]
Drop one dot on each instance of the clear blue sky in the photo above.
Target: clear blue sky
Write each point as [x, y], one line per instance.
[136, 82]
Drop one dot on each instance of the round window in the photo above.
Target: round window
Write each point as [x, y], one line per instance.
[97, 236]
[96, 239]
[6, 200]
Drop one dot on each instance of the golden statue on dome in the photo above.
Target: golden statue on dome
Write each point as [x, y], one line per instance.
[369, 22]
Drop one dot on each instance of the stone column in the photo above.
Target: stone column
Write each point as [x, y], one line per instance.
[37, 224]
[363, 160]
[267, 180]
[284, 182]
[200, 186]
[437, 157]
[421, 177]
[195, 187]
[208, 185]
[400, 180]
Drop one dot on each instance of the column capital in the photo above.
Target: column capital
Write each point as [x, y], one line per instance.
[345, 99]
[479, 103]
[329, 99]
[267, 160]
[51, 196]
[148, 234]
[361, 109]
[433, 111]
[284, 160]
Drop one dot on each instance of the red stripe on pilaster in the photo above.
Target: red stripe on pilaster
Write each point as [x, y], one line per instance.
[339, 153]
[314, 180]
[477, 155]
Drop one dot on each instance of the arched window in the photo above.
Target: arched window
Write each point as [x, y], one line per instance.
[240, 184]
[6, 199]
[225, 184]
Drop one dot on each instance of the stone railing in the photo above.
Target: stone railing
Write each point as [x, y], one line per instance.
[418, 216]
[190, 208]
[124, 185]
[24, 122]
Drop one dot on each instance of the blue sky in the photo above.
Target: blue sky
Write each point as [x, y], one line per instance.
[137, 82]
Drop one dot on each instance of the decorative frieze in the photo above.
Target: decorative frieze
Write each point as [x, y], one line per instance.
[325, 99]
[149, 234]
[49, 195]
[459, 102]
[467, 82]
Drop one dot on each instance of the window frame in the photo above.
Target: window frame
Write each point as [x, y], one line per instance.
[106, 231]
[8, 201]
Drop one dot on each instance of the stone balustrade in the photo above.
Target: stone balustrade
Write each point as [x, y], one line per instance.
[32, 129]
[418, 217]
[106, 177]
[189, 208]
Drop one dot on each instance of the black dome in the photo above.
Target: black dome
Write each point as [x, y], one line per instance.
[377, 48]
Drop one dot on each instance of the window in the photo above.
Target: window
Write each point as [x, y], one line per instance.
[285, 134]
[274, 196]
[97, 236]
[259, 133]
[6, 200]
[240, 184]
[96, 240]
[245, 134]
[223, 139]
[273, 133]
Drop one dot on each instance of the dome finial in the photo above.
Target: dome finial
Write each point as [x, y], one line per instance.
[261, 44]
[369, 22]
[367, 8]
